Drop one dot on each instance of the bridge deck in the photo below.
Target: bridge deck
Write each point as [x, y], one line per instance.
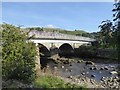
[56, 35]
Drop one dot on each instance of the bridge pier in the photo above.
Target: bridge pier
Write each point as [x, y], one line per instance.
[38, 65]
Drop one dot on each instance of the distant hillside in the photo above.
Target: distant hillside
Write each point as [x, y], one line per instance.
[70, 32]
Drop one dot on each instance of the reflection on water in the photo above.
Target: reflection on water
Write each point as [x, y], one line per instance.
[75, 69]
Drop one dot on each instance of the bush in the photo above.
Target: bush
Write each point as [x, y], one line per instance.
[48, 81]
[17, 54]
[86, 51]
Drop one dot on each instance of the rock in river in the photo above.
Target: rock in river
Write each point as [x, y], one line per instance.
[63, 66]
[101, 68]
[92, 75]
[70, 77]
[106, 68]
[89, 63]
[93, 68]
[113, 72]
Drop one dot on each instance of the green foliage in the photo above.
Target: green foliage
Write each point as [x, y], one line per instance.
[116, 16]
[106, 34]
[48, 81]
[17, 54]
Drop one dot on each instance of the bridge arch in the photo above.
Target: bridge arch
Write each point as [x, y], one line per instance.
[43, 50]
[66, 50]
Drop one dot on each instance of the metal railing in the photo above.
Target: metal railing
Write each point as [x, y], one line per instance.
[57, 35]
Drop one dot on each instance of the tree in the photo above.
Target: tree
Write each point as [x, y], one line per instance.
[116, 19]
[106, 30]
[17, 54]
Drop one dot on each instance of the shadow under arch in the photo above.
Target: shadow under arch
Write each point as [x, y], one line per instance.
[44, 54]
[66, 50]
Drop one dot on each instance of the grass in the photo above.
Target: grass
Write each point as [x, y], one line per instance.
[44, 82]
[48, 81]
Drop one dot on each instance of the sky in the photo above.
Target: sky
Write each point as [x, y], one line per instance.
[85, 16]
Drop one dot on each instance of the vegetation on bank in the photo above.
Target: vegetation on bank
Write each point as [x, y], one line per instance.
[49, 81]
[18, 55]
[18, 64]
[43, 81]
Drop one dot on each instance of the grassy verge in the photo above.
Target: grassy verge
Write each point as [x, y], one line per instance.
[43, 81]
[48, 81]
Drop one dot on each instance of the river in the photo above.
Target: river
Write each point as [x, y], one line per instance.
[97, 71]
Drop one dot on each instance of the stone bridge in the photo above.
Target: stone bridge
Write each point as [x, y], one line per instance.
[51, 43]
[54, 43]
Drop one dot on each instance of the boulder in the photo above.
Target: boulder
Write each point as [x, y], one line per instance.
[102, 78]
[70, 77]
[89, 63]
[87, 72]
[66, 70]
[113, 72]
[93, 68]
[70, 64]
[92, 75]
[63, 67]
[83, 73]
[101, 68]
[70, 70]
[106, 68]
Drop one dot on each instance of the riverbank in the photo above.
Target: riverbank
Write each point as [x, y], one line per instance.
[42, 81]
[84, 72]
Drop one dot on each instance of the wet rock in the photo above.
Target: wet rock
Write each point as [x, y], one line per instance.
[112, 66]
[91, 80]
[63, 67]
[58, 58]
[113, 72]
[89, 63]
[55, 67]
[106, 68]
[93, 68]
[102, 79]
[70, 77]
[79, 61]
[66, 62]
[70, 70]
[118, 80]
[66, 70]
[87, 72]
[47, 66]
[70, 64]
[92, 75]
[101, 68]
[83, 73]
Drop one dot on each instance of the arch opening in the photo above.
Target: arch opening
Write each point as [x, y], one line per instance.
[66, 50]
[44, 54]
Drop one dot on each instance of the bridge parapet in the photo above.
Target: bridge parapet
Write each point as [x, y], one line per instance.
[57, 35]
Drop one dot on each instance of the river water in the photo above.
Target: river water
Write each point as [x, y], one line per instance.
[75, 69]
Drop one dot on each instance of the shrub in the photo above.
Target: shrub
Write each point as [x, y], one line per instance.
[48, 81]
[17, 54]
